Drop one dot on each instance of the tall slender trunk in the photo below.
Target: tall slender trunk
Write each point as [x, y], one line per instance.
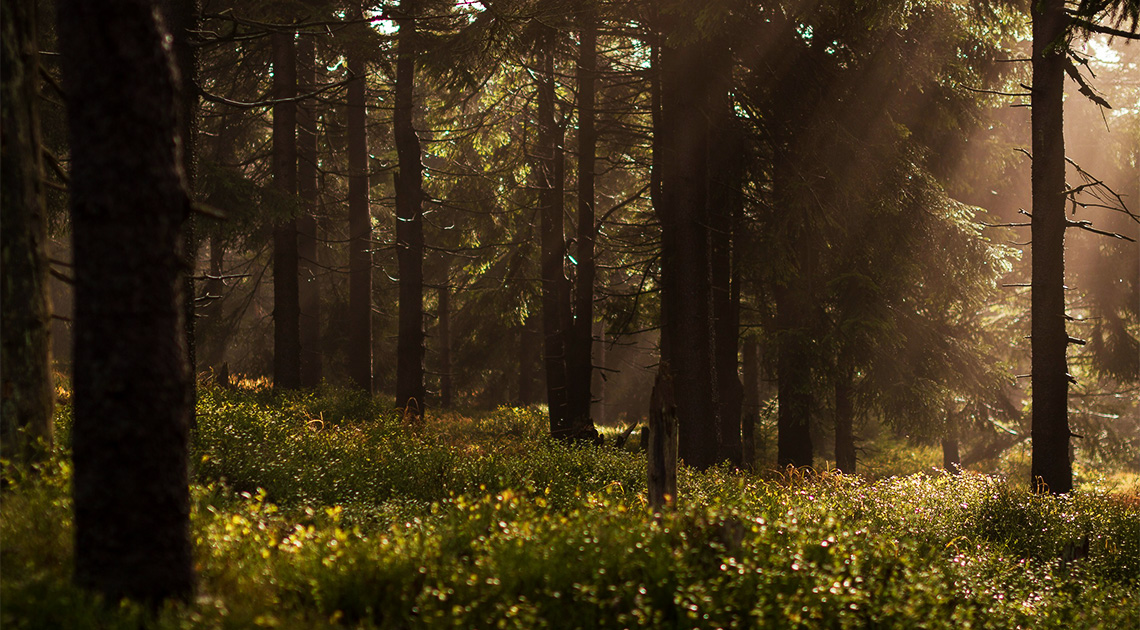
[792, 297]
[579, 351]
[844, 420]
[689, 331]
[530, 348]
[132, 379]
[409, 223]
[750, 400]
[26, 401]
[307, 178]
[444, 334]
[553, 244]
[359, 228]
[1051, 469]
[751, 376]
[214, 334]
[726, 181]
[598, 380]
[286, 299]
[951, 460]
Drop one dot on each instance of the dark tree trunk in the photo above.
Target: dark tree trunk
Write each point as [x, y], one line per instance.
[555, 309]
[751, 376]
[726, 181]
[444, 334]
[792, 297]
[844, 421]
[530, 368]
[25, 340]
[663, 447]
[750, 400]
[214, 335]
[580, 345]
[598, 380]
[307, 179]
[409, 224]
[951, 460]
[286, 298]
[794, 387]
[1051, 469]
[359, 229]
[132, 380]
[182, 21]
[688, 329]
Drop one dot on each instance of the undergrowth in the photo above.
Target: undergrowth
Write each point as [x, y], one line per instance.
[321, 510]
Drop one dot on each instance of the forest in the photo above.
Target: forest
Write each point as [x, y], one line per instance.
[570, 314]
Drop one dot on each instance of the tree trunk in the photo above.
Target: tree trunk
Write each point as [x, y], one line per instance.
[286, 298]
[1051, 469]
[213, 333]
[25, 340]
[793, 332]
[844, 421]
[688, 329]
[580, 346]
[598, 380]
[663, 447]
[182, 21]
[951, 460]
[132, 380]
[530, 368]
[726, 181]
[307, 182]
[751, 376]
[409, 224]
[553, 245]
[444, 334]
[750, 400]
[359, 228]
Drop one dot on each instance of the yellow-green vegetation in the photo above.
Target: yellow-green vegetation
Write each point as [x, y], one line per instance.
[319, 510]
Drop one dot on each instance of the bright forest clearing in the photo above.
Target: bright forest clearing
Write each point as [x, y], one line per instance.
[486, 522]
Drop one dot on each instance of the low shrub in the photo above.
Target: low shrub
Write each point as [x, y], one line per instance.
[470, 522]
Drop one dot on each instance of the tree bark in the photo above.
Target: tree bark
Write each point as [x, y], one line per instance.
[182, 21]
[663, 448]
[213, 332]
[792, 296]
[530, 368]
[359, 227]
[555, 308]
[1051, 469]
[409, 223]
[750, 400]
[286, 297]
[844, 421]
[579, 351]
[598, 380]
[307, 181]
[726, 181]
[751, 376]
[132, 380]
[951, 460]
[26, 401]
[444, 334]
[688, 329]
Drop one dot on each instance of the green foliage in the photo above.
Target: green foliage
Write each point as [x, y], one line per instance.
[477, 523]
[335, 447]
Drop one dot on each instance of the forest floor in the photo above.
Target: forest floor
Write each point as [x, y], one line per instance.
[320, 509]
